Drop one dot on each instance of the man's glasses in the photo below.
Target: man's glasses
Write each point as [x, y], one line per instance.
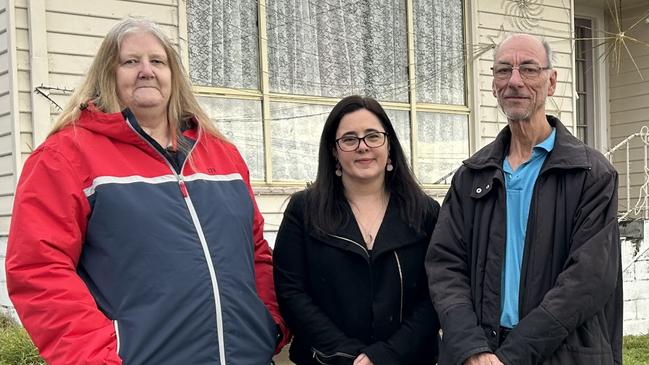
[351, 143]
[527, 71]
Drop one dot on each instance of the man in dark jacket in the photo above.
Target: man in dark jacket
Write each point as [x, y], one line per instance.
[524, 266]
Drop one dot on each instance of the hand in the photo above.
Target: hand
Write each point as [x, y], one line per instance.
[362, 359]
[484, 358]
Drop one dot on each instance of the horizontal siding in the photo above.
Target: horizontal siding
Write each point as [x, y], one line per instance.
[6, 186]
[166, 14]
[91, 26]
[6, 143]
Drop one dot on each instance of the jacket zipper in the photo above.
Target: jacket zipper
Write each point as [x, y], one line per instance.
[396, 257]
[318, 354]
[116, 325]
[367, 254]
[202, 239]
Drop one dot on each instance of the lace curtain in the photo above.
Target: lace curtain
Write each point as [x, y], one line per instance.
[331, 48]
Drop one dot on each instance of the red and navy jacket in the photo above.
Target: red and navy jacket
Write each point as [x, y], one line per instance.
[115, 256]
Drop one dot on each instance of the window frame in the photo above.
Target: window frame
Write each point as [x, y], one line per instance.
[265, 96]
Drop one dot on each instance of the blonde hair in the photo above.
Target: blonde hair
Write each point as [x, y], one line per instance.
[99, 86]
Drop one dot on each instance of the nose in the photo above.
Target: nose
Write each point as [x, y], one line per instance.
[516, 79]
[146, 70]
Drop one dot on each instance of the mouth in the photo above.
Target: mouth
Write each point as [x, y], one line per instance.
[516, 97]
[364, 161]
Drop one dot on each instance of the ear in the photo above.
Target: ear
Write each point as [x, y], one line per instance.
[553, 82]
[493, 88]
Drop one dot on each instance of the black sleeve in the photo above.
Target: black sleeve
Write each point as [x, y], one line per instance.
[449, 282]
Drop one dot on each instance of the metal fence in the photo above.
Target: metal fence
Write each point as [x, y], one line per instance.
[639, 209]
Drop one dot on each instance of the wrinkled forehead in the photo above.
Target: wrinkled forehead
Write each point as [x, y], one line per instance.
[519, 50]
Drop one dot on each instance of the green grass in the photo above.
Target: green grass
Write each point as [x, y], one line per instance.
[636, 350]
[16, 348]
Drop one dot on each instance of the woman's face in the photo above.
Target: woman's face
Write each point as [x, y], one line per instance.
[143, 75]
[365, 163]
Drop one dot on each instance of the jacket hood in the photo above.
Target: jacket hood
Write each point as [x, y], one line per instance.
[124, 127]
[112, 125]
[568, 151]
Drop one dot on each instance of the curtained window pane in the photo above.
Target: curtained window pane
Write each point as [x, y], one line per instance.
[240, 123]
[326, 48]
[296, 130]
[442, 144]
[401, 123]
[223, 38]
[439, 51]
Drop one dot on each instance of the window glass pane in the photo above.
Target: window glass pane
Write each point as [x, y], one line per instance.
[442, 144]
[439, 51]
[223, 43]
[296, 130]
[336, 49]
[240, 122]
[401, 123]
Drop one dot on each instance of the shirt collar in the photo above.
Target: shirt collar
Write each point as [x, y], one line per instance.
[548, 143]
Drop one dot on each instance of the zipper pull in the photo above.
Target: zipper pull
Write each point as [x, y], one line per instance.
[183, 188]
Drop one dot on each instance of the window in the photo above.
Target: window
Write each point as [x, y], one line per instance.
[269, 71]
[584, 80]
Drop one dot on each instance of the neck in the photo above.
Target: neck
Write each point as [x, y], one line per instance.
[363, 191]
[525, 135]
[155, 124]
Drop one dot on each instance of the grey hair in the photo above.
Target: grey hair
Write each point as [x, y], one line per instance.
[549, 54]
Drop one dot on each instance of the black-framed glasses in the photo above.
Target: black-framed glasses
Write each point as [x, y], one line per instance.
[527, 71]
[351, 143]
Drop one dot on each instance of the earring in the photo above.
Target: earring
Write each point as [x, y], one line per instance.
[339, 171]
[389, 166]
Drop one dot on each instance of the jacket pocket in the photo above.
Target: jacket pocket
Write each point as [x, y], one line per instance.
[585, 345]
[570, 355]
[336, 358]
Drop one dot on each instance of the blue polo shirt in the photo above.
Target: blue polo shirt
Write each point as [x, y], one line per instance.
[519, 185]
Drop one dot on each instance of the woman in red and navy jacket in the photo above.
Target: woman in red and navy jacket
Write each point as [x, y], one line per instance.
[135, 236]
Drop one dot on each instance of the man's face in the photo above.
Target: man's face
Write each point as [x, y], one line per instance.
[522, 95]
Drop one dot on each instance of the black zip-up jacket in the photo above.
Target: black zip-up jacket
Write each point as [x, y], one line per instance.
[340, 300]
[570, 300]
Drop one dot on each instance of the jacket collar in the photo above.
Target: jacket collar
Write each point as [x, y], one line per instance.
[393, 233]
[568, 151]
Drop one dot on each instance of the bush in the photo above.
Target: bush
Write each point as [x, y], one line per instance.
[16, 348]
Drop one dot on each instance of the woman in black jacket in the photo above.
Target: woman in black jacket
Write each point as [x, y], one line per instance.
[349, 255]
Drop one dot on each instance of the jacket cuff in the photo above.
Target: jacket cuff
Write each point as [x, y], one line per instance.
[381, 354]
[536, 336]
[462, 336]
[283, 337]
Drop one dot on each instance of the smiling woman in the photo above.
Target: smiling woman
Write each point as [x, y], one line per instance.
[349, 253]
[126, 254]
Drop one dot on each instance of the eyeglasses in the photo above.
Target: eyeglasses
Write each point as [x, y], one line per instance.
[351, 143]
[527, 71]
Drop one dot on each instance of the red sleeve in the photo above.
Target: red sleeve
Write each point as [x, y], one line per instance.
[264, 270]
[45, 240]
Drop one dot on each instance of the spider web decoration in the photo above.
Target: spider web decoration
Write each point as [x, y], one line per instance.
[524, 14]
[48, 91]
[474, 51]
[616, 44]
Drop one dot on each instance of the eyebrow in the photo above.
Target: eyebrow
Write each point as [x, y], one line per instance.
[524, 62]
[139, 55]
[367, 131]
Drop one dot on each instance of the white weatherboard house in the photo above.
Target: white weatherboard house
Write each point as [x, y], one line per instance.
[269, 71]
